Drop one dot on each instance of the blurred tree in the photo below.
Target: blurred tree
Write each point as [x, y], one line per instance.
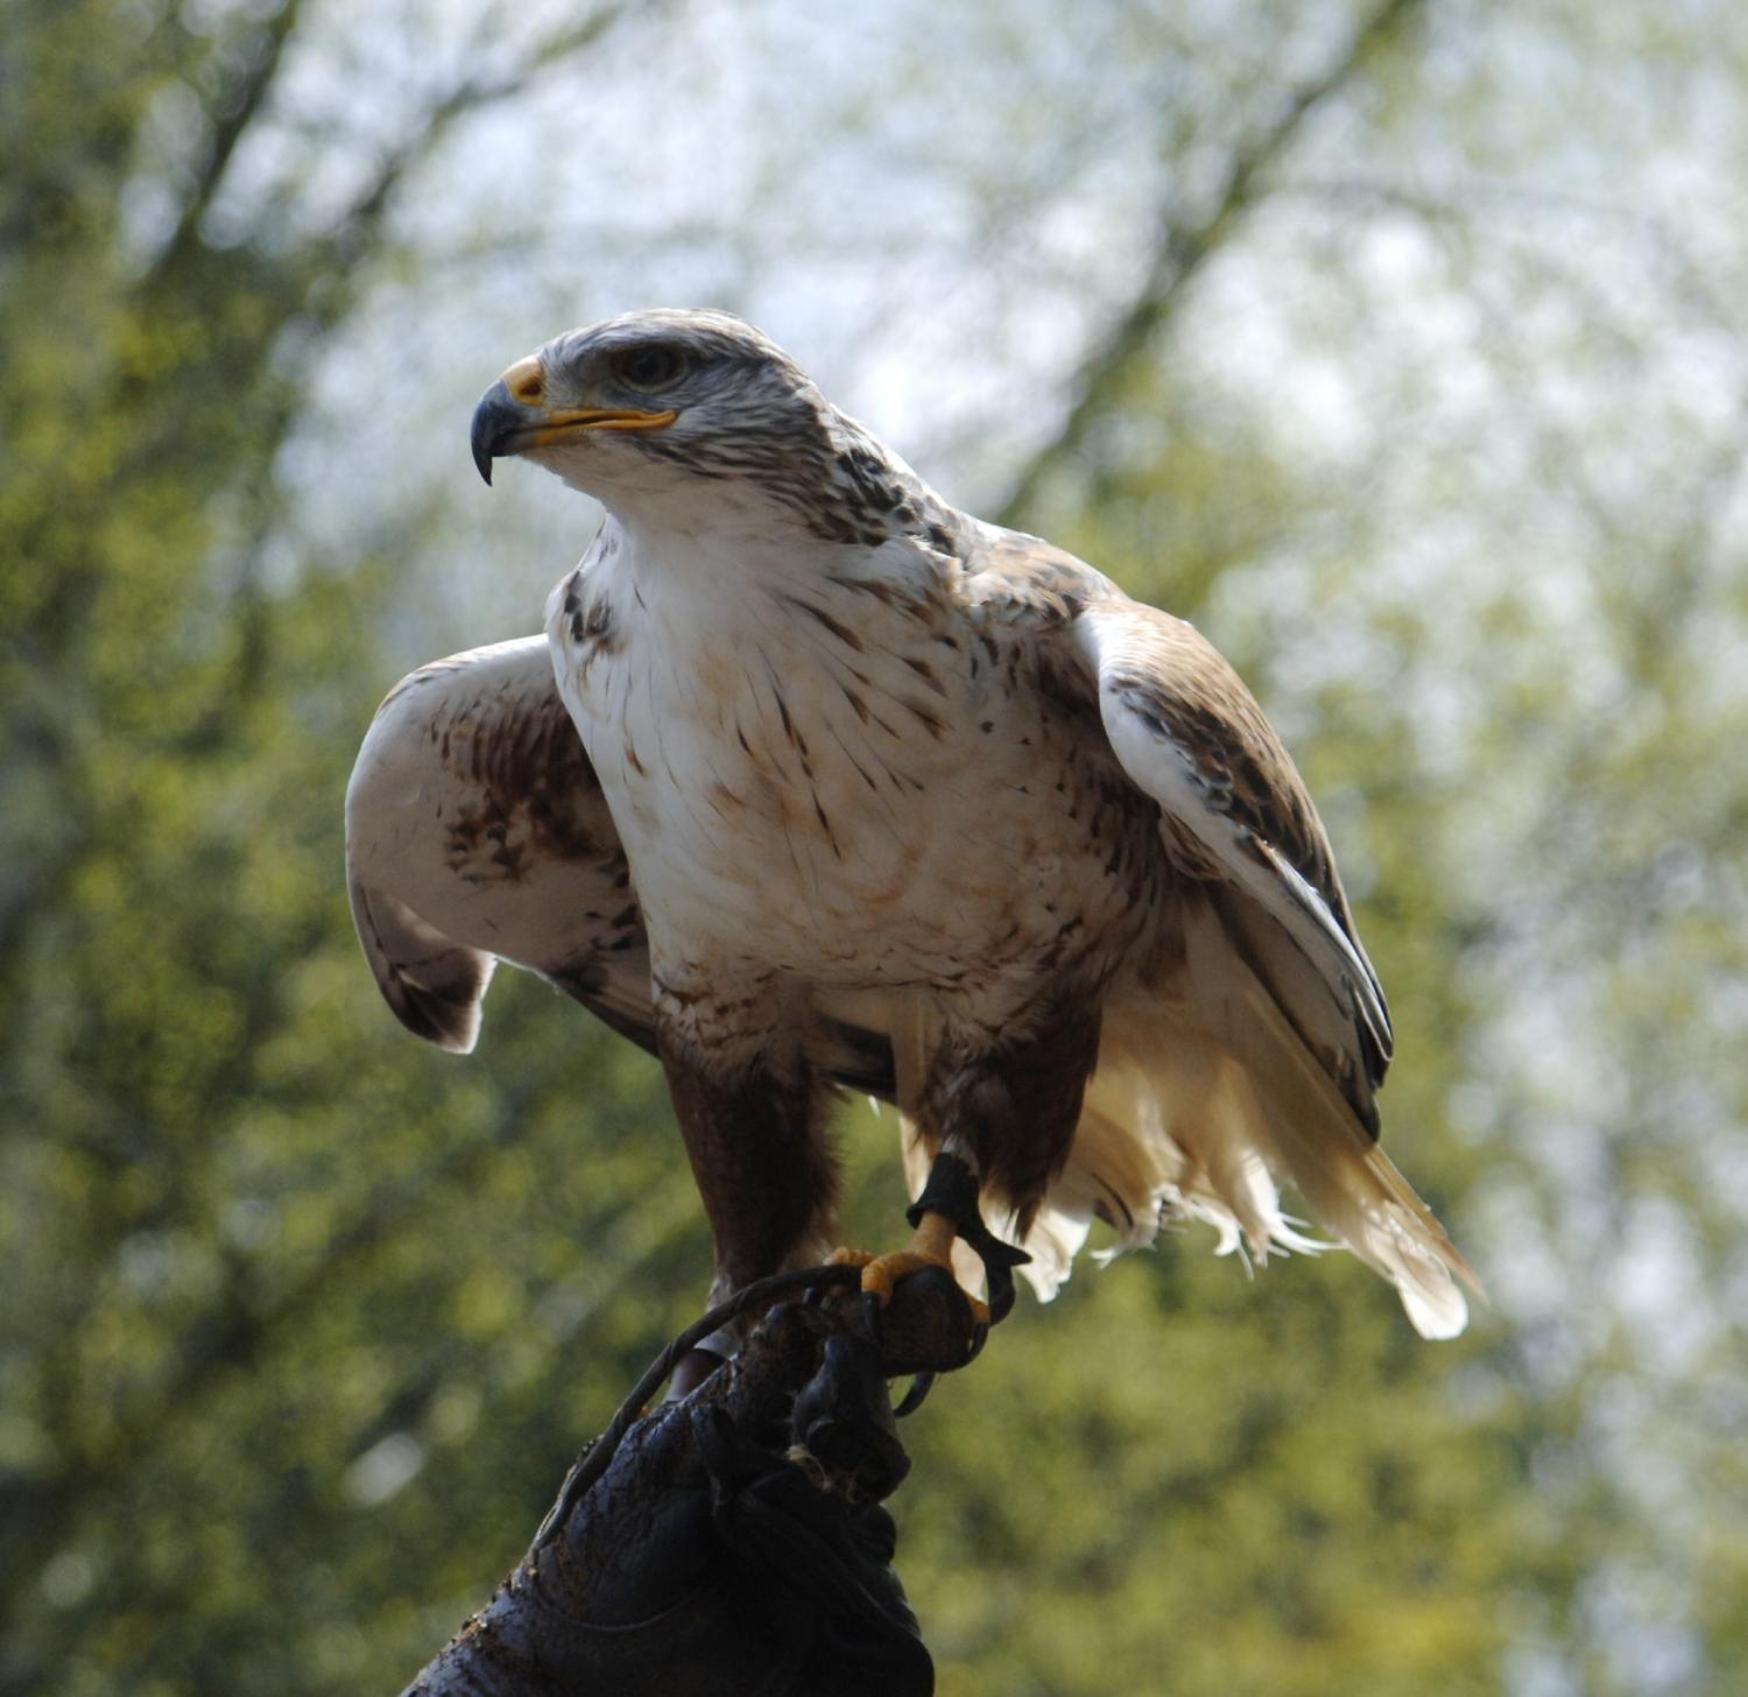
[195, 1224]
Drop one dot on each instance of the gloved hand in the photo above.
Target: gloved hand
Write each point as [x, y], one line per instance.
[734, 1547]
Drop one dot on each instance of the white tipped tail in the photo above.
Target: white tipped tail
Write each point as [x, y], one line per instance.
[1205, 1099]
[1200, 1107]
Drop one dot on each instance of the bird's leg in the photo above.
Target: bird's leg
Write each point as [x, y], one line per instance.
[752, 1114]
[947, 1209]
[950, 1197]
[931, 1245]
[999, 1107]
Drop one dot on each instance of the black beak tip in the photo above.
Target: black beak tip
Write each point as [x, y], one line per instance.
[494, 419]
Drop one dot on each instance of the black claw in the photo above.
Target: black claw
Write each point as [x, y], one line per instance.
[999, 1261]
[870, 1314]
[979, 1337]
[914, 1398]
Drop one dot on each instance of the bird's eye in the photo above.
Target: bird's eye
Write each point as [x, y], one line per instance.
[652, 367]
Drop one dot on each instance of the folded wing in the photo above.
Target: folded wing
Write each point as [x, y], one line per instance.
[1279, 982]
[1185, 728]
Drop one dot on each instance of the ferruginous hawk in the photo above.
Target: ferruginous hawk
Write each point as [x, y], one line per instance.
[815, 781]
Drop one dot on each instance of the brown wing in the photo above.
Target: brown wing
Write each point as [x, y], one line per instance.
[1237, 814]
[1277, 986]
[476, 831]
[1234, 810]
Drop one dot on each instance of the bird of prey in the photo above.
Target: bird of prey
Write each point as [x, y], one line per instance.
[815, 781]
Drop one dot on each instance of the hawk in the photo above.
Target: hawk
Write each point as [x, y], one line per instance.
[814, 781]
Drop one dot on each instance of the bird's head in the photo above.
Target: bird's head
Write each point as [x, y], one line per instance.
[644, 405]
[693, 419]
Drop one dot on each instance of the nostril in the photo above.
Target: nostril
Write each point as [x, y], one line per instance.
[526, 382]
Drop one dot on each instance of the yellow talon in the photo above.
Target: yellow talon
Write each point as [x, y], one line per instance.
[930, 1246]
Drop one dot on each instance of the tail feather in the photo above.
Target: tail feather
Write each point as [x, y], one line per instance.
[1201, 1104]
[1353, 1187]
[1199, 1108]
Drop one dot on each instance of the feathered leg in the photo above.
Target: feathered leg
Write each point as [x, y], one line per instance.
[751, 1110]
[998, 1115]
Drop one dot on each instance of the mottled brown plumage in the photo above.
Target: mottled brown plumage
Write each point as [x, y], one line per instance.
[908, 802]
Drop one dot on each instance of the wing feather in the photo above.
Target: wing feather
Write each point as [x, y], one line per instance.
[434, 985]
[1236, 812]
[476, 831]
[1263, 1062]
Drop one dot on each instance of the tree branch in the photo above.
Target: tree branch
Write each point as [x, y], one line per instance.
[1183, 248]
[234, 111]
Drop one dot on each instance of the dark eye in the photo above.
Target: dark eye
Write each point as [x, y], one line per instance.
[654, 366]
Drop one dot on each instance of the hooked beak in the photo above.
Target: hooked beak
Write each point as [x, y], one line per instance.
[512, 417]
